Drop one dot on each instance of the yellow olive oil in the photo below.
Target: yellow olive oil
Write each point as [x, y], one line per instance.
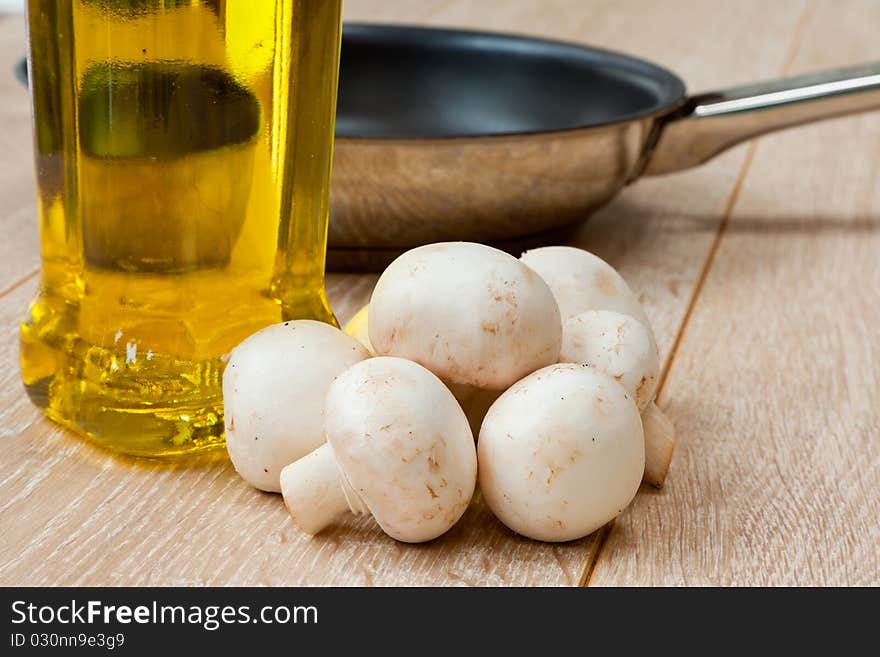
[183, 152]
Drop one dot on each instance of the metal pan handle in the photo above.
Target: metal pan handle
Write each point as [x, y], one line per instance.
[711, 123]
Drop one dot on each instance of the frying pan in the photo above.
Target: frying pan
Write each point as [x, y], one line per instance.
[455, 135]
[458, 135]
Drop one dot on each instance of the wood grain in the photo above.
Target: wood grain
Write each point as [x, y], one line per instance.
[19, 250]
[73, 515]
[774, 387]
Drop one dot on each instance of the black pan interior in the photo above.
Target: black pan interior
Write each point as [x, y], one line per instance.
[405, 82]
[409, 82]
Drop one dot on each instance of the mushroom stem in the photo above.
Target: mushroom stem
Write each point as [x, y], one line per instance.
[659, 444]
[316, 493]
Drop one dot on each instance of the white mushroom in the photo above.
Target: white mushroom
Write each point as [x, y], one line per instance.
[358, 327]
[471, 314]
[616, 344]
[398, 446]
[582, 281]
[624, 348]
[273, 393]
[561, 453]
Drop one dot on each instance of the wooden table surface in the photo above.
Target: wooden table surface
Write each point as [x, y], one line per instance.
[760, 271]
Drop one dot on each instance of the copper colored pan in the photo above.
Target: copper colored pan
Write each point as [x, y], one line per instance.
[451, 135]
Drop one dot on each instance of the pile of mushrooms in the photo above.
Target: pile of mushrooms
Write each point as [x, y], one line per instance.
[548, 360]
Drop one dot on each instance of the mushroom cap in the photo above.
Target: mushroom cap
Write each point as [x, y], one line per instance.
[582, 281]
[469, 313]
[561, 453]
[358, 327]
[404, 446]
[273, 393]
[616, 344]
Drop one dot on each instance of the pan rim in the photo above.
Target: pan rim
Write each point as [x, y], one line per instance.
[497, 138]
[676, 97]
